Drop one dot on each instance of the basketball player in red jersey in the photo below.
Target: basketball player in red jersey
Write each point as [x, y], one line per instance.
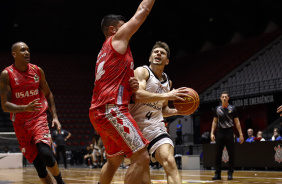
[26, 95]
[109, 112]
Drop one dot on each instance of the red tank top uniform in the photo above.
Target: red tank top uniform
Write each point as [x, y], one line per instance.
[30, 127]
[25, 88]
[113, 71]
[109, 112]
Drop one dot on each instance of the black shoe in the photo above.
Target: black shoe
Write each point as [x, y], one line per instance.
[230, 176]
[217, 176]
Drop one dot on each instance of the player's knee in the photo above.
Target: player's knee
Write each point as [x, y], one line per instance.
[168, 161]
[40, 167]
[46, 154]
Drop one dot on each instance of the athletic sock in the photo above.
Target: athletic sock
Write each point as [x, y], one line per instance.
[59, 179]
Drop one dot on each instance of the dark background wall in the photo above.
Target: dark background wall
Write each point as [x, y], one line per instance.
[74, 26]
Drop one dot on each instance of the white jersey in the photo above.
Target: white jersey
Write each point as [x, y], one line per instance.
[149, 116]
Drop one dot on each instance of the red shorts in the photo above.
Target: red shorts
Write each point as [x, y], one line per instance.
[31, 132]
[118, 130]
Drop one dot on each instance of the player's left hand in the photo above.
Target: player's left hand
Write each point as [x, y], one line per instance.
[57, 123]
[134, 84]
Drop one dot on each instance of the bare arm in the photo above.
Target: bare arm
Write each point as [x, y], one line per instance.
[143, 96]
[6, 94]
[49, 96]
[121, 38]
[238, 126]
[68, 136]
[169, 111]
[214, 123]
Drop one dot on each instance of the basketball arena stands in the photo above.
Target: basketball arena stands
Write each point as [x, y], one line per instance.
[258, 75]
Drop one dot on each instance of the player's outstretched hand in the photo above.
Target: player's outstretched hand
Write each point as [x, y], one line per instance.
[279, 110]
[33, 106]
[177, 94]
[134, 84]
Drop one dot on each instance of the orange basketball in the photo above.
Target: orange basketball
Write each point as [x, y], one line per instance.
[191, 103]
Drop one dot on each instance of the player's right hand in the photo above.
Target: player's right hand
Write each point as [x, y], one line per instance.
[33, 106]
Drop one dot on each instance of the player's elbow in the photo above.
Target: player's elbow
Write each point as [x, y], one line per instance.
[136, 98]
[5, 108]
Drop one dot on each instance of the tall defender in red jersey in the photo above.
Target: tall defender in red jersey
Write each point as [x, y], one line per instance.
[25, 94]
[114, 86]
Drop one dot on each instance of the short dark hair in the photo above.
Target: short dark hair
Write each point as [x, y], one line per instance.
[225, 92]
[160, 44]
[110, 20]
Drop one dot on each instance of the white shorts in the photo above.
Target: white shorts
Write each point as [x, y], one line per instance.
[157, 142]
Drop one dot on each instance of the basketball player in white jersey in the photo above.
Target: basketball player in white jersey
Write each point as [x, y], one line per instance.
[151, 105]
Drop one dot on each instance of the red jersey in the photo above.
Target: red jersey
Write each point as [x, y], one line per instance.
[25, 88]
[112, 74]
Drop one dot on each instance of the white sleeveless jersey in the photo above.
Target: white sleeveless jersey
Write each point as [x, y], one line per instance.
[149, 116]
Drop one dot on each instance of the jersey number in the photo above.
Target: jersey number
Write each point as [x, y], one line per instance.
[148, 115]
[100, 71]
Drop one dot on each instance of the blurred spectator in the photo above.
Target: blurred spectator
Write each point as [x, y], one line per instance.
[167, 126]
[88, 157]
[206, 137]
[259, 136]
[179, 133]
[6, 149]
[250, 135]
[276, 135]
[24, 161]
[60, 137]
[53, 147]
[98, 151]
[236, 139]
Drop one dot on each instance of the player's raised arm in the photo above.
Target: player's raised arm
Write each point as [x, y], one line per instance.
[124, 33]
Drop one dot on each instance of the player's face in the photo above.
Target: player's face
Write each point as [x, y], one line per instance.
[275, 132]
[22, 53]
[224, 98]
[250, 132]
[159, 57]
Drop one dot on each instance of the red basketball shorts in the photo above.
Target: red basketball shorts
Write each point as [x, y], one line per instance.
[118, 130]
[31, 132]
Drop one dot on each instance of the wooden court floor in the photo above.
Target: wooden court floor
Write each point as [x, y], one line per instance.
[84, 175]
